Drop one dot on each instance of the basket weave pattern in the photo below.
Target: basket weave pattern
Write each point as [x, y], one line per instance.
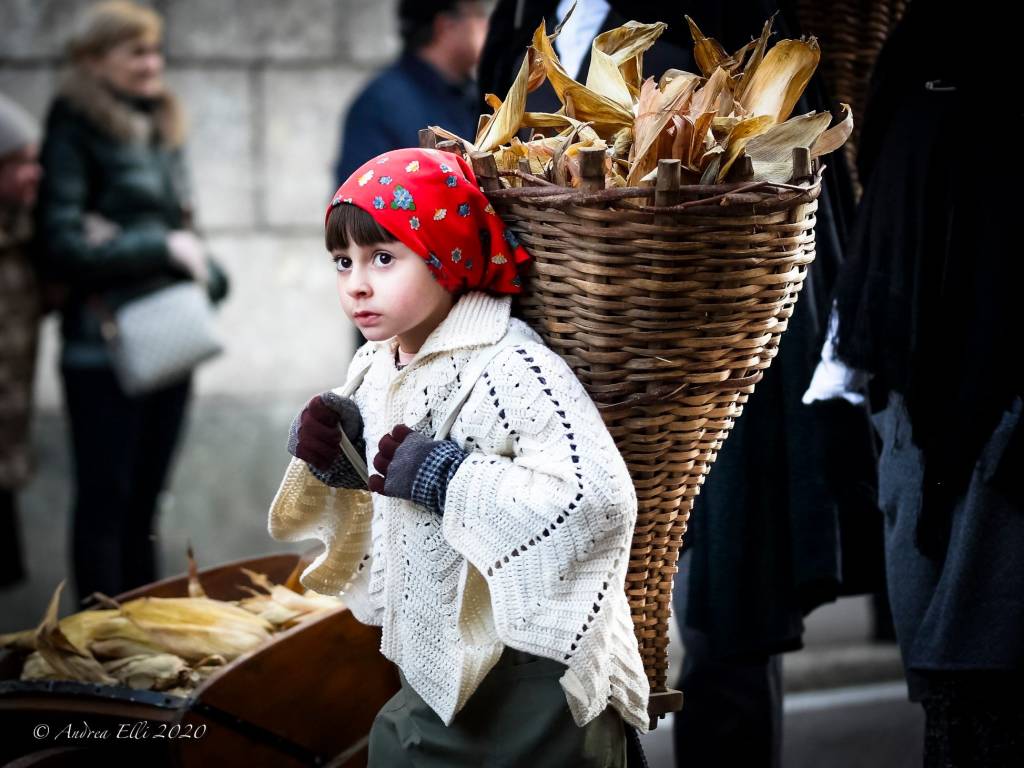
[851, 33]
[668, 320]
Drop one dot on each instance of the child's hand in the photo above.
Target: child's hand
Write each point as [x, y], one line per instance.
[315, 438]
[414, 467]
[399, 455]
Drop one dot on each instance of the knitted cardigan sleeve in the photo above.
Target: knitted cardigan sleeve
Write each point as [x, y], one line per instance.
[305, 508]
[545, 512]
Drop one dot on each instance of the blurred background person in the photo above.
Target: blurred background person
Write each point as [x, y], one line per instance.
[788, 518]
[114, 223]
[929, 306]
[432, 83]
[20, 309]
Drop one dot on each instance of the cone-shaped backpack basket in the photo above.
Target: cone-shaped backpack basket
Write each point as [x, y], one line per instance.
[668, 303]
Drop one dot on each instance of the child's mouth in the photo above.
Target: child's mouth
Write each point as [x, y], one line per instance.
[367, 318]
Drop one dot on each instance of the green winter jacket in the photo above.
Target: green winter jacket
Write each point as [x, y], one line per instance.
[105, 155]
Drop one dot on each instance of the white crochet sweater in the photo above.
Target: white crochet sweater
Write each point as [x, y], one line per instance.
[533, 546]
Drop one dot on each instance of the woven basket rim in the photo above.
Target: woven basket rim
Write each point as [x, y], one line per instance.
[700, 196]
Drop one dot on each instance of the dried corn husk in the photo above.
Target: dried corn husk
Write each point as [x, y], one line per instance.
[709, 95]
[708, 52]
[195, 589]
[756, 56]
[36, 668]
[67, 661]
[771, 152]
[655, 111]
[706, 121]
[194, 628]
[743, 132]
[155, 672]
[270, 610]
[104, 632]
[204, 668]
[539, 153]
[692, 141]
[616, 58]
[120, 647]
[779, 80]
[149, 643]
[836, 136]
[607, 116]
[308, 602]
[294, 580]
[508, 117]
[563, 123]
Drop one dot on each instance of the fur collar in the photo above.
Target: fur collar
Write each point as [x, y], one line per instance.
[117, 118]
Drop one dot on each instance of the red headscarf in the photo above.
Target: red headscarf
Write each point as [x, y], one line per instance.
[430, 201]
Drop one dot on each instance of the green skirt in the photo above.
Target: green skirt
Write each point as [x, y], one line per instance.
[517, 717]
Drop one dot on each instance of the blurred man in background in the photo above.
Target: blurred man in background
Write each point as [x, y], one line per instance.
[19, 301]
[432, 83]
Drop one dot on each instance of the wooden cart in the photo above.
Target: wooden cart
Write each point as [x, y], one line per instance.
[308, 697]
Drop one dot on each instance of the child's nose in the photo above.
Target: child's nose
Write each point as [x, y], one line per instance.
[358, 285]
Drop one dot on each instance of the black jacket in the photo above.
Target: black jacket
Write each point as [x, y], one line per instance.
[373, 126]
[98, 159]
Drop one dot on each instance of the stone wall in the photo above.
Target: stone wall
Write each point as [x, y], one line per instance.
[265, 84]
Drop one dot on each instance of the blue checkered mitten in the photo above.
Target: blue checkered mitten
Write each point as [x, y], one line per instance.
[414, 467]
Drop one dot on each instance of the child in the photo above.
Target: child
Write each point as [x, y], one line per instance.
[494, 554]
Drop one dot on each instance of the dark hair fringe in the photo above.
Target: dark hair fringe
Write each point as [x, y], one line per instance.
[350, 223]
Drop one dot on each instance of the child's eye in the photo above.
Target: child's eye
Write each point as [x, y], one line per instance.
[342, 263]
[383, 258]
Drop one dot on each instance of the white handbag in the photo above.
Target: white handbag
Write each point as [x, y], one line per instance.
[158, 339]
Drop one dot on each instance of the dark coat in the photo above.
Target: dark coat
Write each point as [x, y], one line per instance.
[929, 306]
[389, 112]
[105, 156]
[966, 610]
[794, 485]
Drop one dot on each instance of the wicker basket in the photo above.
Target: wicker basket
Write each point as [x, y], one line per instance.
[851, 33]
[669, 315]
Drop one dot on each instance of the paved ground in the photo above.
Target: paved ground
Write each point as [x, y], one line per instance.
[871, 726]
[845, 703]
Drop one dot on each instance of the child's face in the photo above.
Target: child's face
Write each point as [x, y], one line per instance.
[387, 290]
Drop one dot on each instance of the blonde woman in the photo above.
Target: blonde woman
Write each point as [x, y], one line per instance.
[114, 222]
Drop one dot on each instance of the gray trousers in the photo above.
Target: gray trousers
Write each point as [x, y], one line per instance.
[517, 717]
